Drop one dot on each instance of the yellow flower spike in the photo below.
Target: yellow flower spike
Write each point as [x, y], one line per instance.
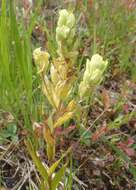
[62, 32]
[65, 34]
[66, 18]
[93, 74]
[97, 62]
[63, 14]
[41, 58]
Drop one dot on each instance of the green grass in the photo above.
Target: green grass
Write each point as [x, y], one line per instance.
[18, 80]
[15, 65]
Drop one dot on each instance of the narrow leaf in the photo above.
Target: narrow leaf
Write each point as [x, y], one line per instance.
[57, 178]
[55, 165]
[63, 119]
[42, 170]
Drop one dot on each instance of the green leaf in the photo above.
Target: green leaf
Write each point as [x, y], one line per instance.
[41, 168]
[55, 165]
[57, 178]
[9, 132]
[85, 136]
[12, 129]
[132, 169]
[42, 185]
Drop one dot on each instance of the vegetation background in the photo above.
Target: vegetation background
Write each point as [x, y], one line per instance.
[105, 157]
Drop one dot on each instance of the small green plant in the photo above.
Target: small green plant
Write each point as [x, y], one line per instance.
[50, 179]
[10, 132]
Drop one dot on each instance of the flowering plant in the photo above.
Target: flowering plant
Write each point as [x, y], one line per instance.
[57, 84]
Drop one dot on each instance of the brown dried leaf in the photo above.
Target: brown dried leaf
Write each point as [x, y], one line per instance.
[100, 132]
[106, 99]
[38, 129]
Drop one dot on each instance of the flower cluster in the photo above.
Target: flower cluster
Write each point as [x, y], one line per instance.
[65, 35]
[41, 59]
[93, 74]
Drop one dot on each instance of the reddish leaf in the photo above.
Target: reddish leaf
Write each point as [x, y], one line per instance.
[67, 130]
[100, 132]
[130, 141]
[122, 145]
[130, 151]
[106, 99]
[125, 147]
[90, 3]
[131, 84]
[27, 4]
[58, 131]
[64, 131]
[126, 108]
[130, 4]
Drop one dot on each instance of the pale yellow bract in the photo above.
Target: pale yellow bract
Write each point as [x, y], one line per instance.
[93, 74]
[65, 33]
[41, 59]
